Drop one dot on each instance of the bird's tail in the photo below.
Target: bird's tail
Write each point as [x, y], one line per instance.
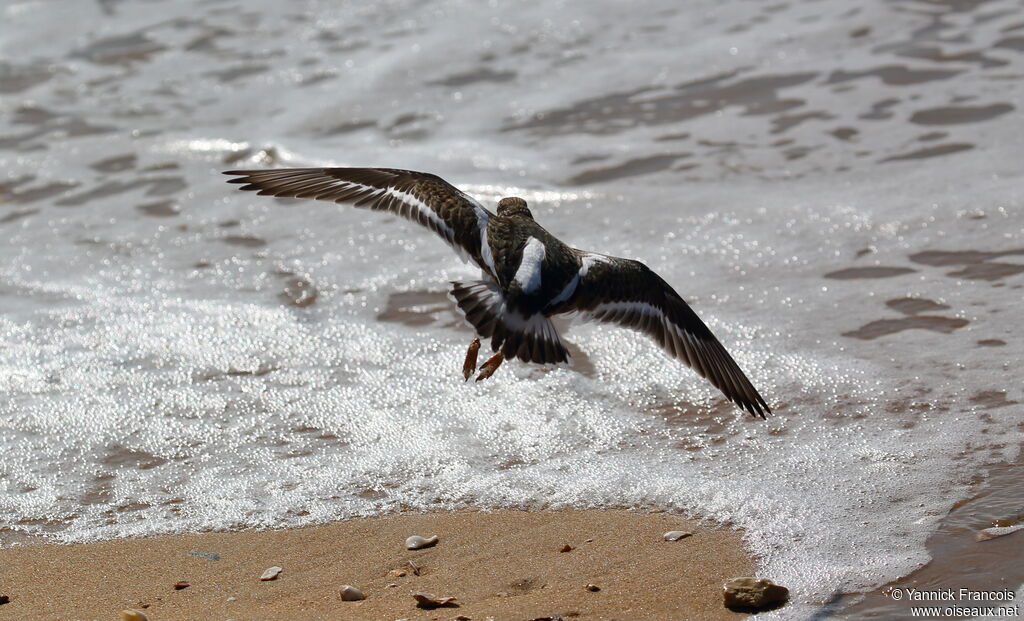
[530, 338]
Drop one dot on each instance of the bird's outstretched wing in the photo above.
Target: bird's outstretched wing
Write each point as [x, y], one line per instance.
[420, 197]
[629, 294]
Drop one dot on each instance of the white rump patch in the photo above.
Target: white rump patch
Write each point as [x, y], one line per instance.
[530, 266]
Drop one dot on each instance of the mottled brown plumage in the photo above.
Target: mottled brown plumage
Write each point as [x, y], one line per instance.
[529, 275]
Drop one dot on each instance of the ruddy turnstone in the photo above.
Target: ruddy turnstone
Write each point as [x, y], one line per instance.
[529, 276]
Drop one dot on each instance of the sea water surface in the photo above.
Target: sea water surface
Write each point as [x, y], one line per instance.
[835, 187]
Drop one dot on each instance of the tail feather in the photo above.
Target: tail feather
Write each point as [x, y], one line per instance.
[530, 339]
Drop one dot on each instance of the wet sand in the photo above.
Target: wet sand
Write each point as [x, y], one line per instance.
[506, 565]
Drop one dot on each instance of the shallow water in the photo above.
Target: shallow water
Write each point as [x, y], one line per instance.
[834, 187]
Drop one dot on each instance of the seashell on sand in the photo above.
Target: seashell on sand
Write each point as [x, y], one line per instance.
[592, 587]
[133, 615]
[676, 535]
[415, 542]
[271, 573]
[427, 600]
[351, 594]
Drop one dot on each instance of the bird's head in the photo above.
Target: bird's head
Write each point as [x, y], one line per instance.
[513, 206]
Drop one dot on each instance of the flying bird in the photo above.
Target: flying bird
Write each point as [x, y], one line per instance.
[529, 276]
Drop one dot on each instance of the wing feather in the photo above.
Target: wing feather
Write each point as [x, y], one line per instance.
[421, 197]
[629, 294]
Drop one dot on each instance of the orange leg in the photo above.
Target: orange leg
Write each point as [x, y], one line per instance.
[469, 366]
[490, 366]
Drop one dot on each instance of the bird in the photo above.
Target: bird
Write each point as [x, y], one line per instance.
[528, 275]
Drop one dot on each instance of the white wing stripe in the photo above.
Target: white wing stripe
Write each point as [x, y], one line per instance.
[424, 211]
[590, 259]
[566, 292]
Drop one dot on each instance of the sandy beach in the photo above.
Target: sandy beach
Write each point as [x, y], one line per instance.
[505, 565]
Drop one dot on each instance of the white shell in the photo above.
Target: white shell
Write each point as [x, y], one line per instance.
[271, 573]
[676, 535]
[415, 542]
[351, 594]
[133, 615]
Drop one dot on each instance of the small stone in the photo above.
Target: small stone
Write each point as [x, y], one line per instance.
[4, 600]
[754, 593]
[351, 594]
[676, 535]
[181, 584]
[392, 585]
[589, 540]
[592, 587]
[462, 618]
[997, 531]
[426, 600]
[232, 599]
[133, 615]
[396, 573]
[271, 573]
[565, 548]
[415, 542]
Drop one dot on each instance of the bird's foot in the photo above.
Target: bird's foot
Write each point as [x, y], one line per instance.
[469, 366]
[490, 366]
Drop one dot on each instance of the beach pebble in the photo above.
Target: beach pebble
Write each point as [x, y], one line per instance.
[565, 548]
[133, 615]
[271, 573]
[426, 600]
[351, 594]
[592, 587]
[753, 593]
[462, 618]
[4, 600]
[232, 599]
[396, 573]
[415, 542]
[181, 584]
[392, 585]
[676, 535]
[997, 531]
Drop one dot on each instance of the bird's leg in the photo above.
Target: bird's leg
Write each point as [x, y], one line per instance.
[490, 366]
[469, 366]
